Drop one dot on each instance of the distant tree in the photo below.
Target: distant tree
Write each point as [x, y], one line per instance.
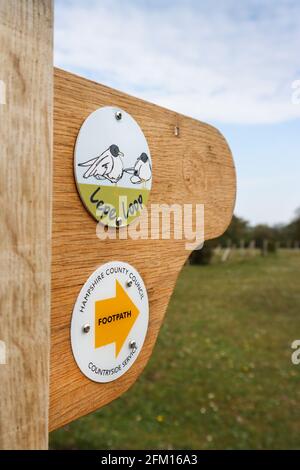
[262, 233]
[297, 213]
[293, 232]
[238, 230]
[203, 256]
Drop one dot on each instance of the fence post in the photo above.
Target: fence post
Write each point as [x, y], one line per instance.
[26, 71]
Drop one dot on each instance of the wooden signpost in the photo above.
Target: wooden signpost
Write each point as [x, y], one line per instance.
[191, 163]
[25, 230]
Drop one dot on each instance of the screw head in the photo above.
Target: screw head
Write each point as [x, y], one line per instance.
[132, 344]
[118, 221]
[118, 115]
[129, 283]
[86, 328]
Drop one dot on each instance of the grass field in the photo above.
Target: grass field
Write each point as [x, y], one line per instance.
[221, 374]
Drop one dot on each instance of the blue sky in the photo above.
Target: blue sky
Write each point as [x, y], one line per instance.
[228, 63]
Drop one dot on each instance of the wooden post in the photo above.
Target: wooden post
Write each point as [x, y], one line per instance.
[26, 71]
[192, 164]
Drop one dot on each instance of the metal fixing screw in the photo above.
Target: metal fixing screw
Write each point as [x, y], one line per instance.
[86, 328]
[129, 283]
[118, 221]
[132, 344]
[118, 115]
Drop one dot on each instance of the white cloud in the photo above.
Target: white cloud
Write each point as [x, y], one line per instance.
[217, 61]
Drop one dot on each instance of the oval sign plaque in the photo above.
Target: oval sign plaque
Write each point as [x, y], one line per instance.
[112, 166]
[109, 322]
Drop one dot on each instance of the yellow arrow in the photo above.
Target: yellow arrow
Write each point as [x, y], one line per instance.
[114, 319]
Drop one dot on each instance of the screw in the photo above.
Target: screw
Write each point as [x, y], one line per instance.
[129, 283]
[86, 328]
[118, 221]
[118, 115]
[132, 345]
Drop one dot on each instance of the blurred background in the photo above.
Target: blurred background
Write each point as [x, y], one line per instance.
[225, 379]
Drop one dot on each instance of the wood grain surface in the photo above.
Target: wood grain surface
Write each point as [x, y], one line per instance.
[26, 69]
[194, 167]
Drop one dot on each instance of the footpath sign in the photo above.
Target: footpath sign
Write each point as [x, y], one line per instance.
[109, 322]
[109, 189]
[103, 331]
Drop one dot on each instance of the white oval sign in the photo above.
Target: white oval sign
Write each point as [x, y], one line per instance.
[109, 322]
[112, 166]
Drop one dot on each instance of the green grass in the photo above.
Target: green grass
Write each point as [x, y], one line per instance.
[221, 374]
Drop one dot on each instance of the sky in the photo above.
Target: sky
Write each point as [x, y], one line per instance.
[231, 64]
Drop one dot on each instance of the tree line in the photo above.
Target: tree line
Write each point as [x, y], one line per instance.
[242, 234]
